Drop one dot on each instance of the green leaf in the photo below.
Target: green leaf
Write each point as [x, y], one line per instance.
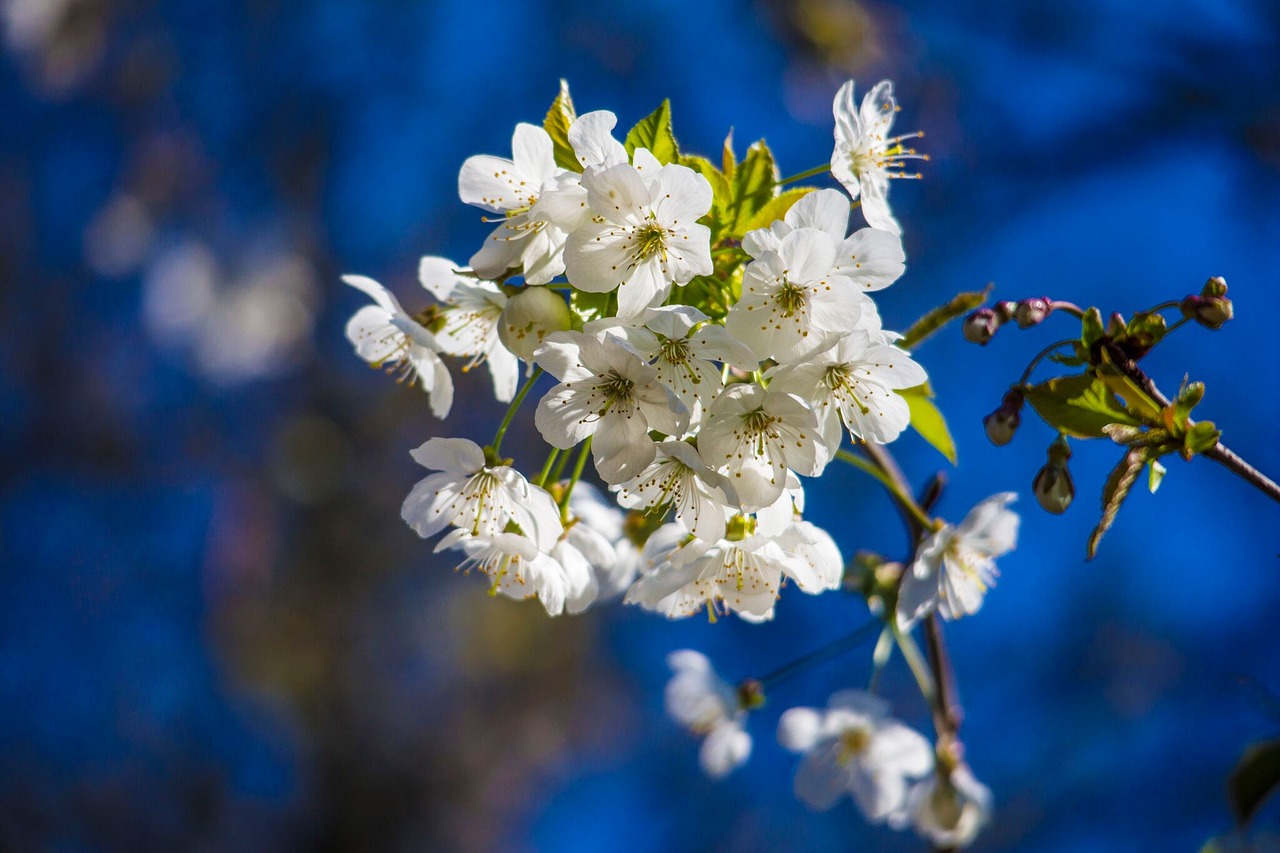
[1178, 416]
[927, 420]
[1144, 331]
[1081, 406]
[1077, 357]
[1137, 401]
[935, 319]
[753, 183]
[654, 132]
[588, 306]
[556, 124]
[1201, 437]
[777, 207]
[721, 193]
[1155, 474]
[1119, 482]
[728, 160]
[1255, 777]
[1091, 329]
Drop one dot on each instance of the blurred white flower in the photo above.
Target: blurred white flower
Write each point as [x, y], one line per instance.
[956, 565]
[595, 536]
[949, 812]
[698, 699]
[854, 747]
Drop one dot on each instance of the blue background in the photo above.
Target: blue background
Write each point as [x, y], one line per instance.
[214, 629]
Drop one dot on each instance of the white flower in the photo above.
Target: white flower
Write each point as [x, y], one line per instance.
[792, 300]
[678, 478]
[682, 345]
[512, 187]
[699, 700]
[774, 519]
[682, 575]
[854, 381]
[643, 236]
[385, 336]
[605, 390]
[591, 137]
[595, 536]
[854, 747]
[754, 437]
[817, 551]
[471, 322]
[870, 257]
[865, 156]
[518, 569]
[481, 500]
[956, 565]
[949, 812]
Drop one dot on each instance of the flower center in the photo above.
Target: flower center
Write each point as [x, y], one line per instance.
[674, 352]
[616, 388]
[853, 743]
[839, 378]
[790, 299]
[651, 240]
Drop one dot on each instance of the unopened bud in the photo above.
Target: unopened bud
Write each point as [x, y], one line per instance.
[981, 326]
[1005, 310]
[530, 316]
[1209, 311]
[750, 695]
[1003, 422]
[1216, 286]
[1030, 312]
[1052, 486]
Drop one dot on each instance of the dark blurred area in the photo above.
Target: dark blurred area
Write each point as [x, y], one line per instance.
[215, 630]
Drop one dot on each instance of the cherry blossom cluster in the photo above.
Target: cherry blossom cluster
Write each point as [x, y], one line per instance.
[707, 338]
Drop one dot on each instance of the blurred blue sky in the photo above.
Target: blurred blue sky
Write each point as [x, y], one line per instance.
[214, 629]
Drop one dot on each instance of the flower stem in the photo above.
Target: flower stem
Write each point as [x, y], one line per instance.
[817, 656]
[1026, 374]
[904, 500]
[515, 405]
[577, 474]
[808, 173]
[546, 468]
[919, 669]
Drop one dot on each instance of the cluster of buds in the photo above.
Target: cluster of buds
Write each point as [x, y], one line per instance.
[1211, 308]
[1052, 486]
[981, 326]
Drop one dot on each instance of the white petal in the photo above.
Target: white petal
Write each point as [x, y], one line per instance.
[455, 455]
[826, 210]
[372, 334]
[564, 417]
[820, 780]
[621, 448]
[725, 749]
[799, 729]
[873, 259]
[591, 136]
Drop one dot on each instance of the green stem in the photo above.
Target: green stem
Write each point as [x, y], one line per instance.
[1026, 374]
[511, 410]
[904, 500]
[809, 173]
[546, 468]
[880, 657]
[919, 669]
[577, 474]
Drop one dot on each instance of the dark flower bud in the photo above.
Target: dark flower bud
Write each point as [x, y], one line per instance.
[750, 695]
[1003, 422]
[1052, 486]
[1005, 310]
[980, 326]
[1030, 312]
[1209, 311]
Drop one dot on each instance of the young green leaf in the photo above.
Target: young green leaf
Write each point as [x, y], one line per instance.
[1116, 489]
[1199, 438]
[1155, 475]
[1091, 329]
[936, 318]
[654, 132]
[728, 160]
[927, 420]
[1081, 406]
[556, 124]
[1255, 777]
[721, 194]
[754, 181]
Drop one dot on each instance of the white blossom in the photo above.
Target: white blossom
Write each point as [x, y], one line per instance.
[854, 381]
[473, 308]
[754, 437]
[591, 137]
[854, 747]
[480, 499]
[698, 699]
[525, 238]
[793, 301]
[679, 479]
[517, 568]
[865, 156]
[643, 235]
[682, 575]
[385, 336]
[870, 257]
[680, 343]
[949, 811]
[605, 391]
[956, 565]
